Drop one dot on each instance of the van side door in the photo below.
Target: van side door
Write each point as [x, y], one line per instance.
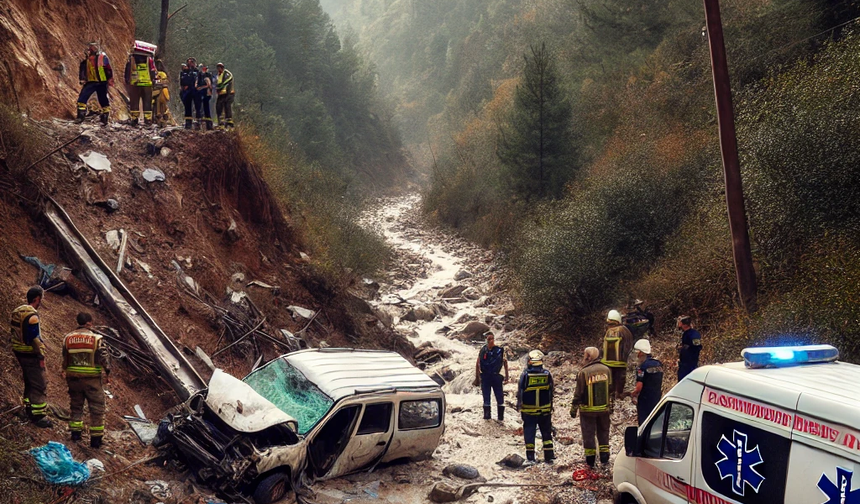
[370, 440]
[420, 424]
[665, 465]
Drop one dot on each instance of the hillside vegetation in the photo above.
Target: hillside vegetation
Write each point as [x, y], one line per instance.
[642, 212]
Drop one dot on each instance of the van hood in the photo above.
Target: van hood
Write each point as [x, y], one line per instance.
[241, 407]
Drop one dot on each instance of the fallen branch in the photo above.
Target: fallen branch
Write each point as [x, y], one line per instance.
[46, 156]
[252, 331]
[126, 468]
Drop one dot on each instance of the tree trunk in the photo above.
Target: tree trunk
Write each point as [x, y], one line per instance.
[162, 29]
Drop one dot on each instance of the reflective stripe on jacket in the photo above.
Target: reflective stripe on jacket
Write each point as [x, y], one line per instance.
[536, 389]
[19, 321]
[80, 354]
[225, 83]
[95, 68]
[592, 388]
[617, 343]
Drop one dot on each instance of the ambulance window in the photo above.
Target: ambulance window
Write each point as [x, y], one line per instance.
[668, 435]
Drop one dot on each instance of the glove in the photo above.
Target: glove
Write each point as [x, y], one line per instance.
[477, 381]
[573, 412]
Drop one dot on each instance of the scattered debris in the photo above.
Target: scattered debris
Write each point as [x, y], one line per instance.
[159, 489]
[420, 313]
[94, 464]
[256, 283]
[139, 411]
[112, 239]
[295, 343]
[305, 257]
[461, 471]
[205, 358]
[58, 466]
[96, 161]
[298, 311]
[452, 292]
[122, 246]
[165, 151]
[513, 461]
[153, 175]
[462, 275]
[146, 431]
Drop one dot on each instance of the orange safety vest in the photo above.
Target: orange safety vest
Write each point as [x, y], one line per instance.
[96, 73]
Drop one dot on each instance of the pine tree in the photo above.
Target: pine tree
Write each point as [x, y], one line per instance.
[535, 146]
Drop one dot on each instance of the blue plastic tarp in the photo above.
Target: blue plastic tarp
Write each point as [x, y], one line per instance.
[57, 465]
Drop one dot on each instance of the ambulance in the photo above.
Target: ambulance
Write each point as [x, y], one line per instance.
[783, 426]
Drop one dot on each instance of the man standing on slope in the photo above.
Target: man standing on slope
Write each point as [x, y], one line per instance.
[491, 360]
[591, 398]
[534, 402]
[95, 75]
[649, 381]
[617, 342]
[85, 358]
[29, 349]
[226, 94]
[140, 75]
[690, 347]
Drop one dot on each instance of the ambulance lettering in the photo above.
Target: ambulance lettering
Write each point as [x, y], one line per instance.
[738, 463]
[839, 492]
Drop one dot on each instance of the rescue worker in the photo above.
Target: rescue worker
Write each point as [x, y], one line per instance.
[85, 360]
[649, 381]
[690, 347]
[29, 349]
[491, 360]
[204, 90]
[226, 94]
[140, 75]
[95, 75]
[592, 399]
[534, 402]
[161, 94]
[188, 90]
[617, 341]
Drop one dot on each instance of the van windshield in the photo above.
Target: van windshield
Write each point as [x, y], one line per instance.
[289, 390]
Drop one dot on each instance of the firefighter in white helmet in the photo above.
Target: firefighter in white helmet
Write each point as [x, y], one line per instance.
[649, 381]
[617, 343]
[534, 402]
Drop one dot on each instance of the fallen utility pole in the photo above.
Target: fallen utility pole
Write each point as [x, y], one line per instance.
[731, 166]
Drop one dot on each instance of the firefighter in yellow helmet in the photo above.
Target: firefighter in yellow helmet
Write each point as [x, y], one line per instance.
[85, 361]
[591, 398]
[534, 402]
[29, 349]
[617, 344]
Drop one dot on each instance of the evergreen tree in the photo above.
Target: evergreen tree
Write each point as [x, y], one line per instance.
[536, 146]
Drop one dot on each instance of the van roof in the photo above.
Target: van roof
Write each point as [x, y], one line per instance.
[826, 390]
[342, 372]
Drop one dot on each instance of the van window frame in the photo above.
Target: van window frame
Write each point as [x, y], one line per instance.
[361, 423]
[439, 414]
[664, 414]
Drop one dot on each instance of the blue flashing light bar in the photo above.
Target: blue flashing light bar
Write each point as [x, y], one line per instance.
[771, 357]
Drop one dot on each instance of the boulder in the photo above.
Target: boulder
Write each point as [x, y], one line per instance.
[475, 327]
[452, 292]
[461, 471]
[443, 492]
[420, 313]
[471, 294]
[462, 275]
[513, 461]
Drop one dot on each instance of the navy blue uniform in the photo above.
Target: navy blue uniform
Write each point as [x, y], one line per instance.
[688, 359]
[650, 374]
[492, 361]
[534, 401]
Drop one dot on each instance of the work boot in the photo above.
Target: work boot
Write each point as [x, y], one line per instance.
[208, 125]
[43, 422]
[147, 123]
[501, 411]
[604, 459]
[82, 114]
[95, 442]
[76, 435]
[196, 125]
[188, 123]
[104, 119]
[486, 413]
[590, 459]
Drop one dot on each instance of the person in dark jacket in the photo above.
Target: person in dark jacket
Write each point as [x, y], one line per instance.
[592, 399]
[226, 95]
[491, 360]
[188, 91]
[29, 349]
[649, 381]
[534, 402]
[690, 347]
[139, 76]
[95, 75]
[204, 90]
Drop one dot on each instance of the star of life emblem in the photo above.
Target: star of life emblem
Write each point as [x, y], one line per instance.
[839, 491]
[738, 463]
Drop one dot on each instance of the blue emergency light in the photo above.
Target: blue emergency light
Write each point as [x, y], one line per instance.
[771, 357]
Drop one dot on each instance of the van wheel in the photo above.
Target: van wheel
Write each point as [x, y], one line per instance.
[271, 489]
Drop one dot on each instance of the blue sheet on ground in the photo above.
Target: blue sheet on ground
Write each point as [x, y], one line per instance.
[57, 465]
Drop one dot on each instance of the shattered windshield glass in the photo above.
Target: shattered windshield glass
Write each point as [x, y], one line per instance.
[289, 390]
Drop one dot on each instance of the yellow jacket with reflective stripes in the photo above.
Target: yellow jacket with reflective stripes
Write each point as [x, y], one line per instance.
[592, 388]
[84, 354]
[617, 344]
[19, 321]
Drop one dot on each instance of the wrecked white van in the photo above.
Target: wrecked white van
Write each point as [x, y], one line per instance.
[317, 414]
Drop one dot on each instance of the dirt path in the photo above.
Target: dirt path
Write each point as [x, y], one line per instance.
[427, 263]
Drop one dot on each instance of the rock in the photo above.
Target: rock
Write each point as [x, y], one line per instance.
[456, 409]
[513, 460]
[475, 328]
[464, 317]
[438, 379]
[430, 355]
[452, 292]
[462, 275]
[461, 471]
[369, 284]
[298, 311]
[471, 294]
[420, 313]
[153, 175]
[443, 492]
[447, 373]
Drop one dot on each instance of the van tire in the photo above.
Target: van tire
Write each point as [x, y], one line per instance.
[271, 489]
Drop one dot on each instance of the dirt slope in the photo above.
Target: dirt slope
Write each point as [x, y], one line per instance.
[43, 41]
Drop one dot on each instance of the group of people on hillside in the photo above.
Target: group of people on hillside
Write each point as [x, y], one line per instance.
[600, 382]
[146, 82]
[85, 366]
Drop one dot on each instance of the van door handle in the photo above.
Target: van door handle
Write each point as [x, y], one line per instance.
[381, 443]
[682, 480]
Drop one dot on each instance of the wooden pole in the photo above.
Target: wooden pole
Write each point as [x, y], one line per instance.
[731, 166]
[162, 29]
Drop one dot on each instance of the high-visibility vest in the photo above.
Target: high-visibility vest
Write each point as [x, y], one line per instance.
[225, 83]
[139, 72]
[597, 379]
[19, 320]
[613, 342]
[537, 395]
[96, 74]
[81, 346]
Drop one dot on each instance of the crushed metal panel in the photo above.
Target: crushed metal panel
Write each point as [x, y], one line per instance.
[242, 408]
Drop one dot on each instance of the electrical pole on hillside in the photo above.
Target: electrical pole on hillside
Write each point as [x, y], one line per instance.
[731, 166]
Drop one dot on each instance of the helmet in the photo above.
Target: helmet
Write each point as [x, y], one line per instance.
[536, 358]
[220, 65]
[643, 346]
[613, 316]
